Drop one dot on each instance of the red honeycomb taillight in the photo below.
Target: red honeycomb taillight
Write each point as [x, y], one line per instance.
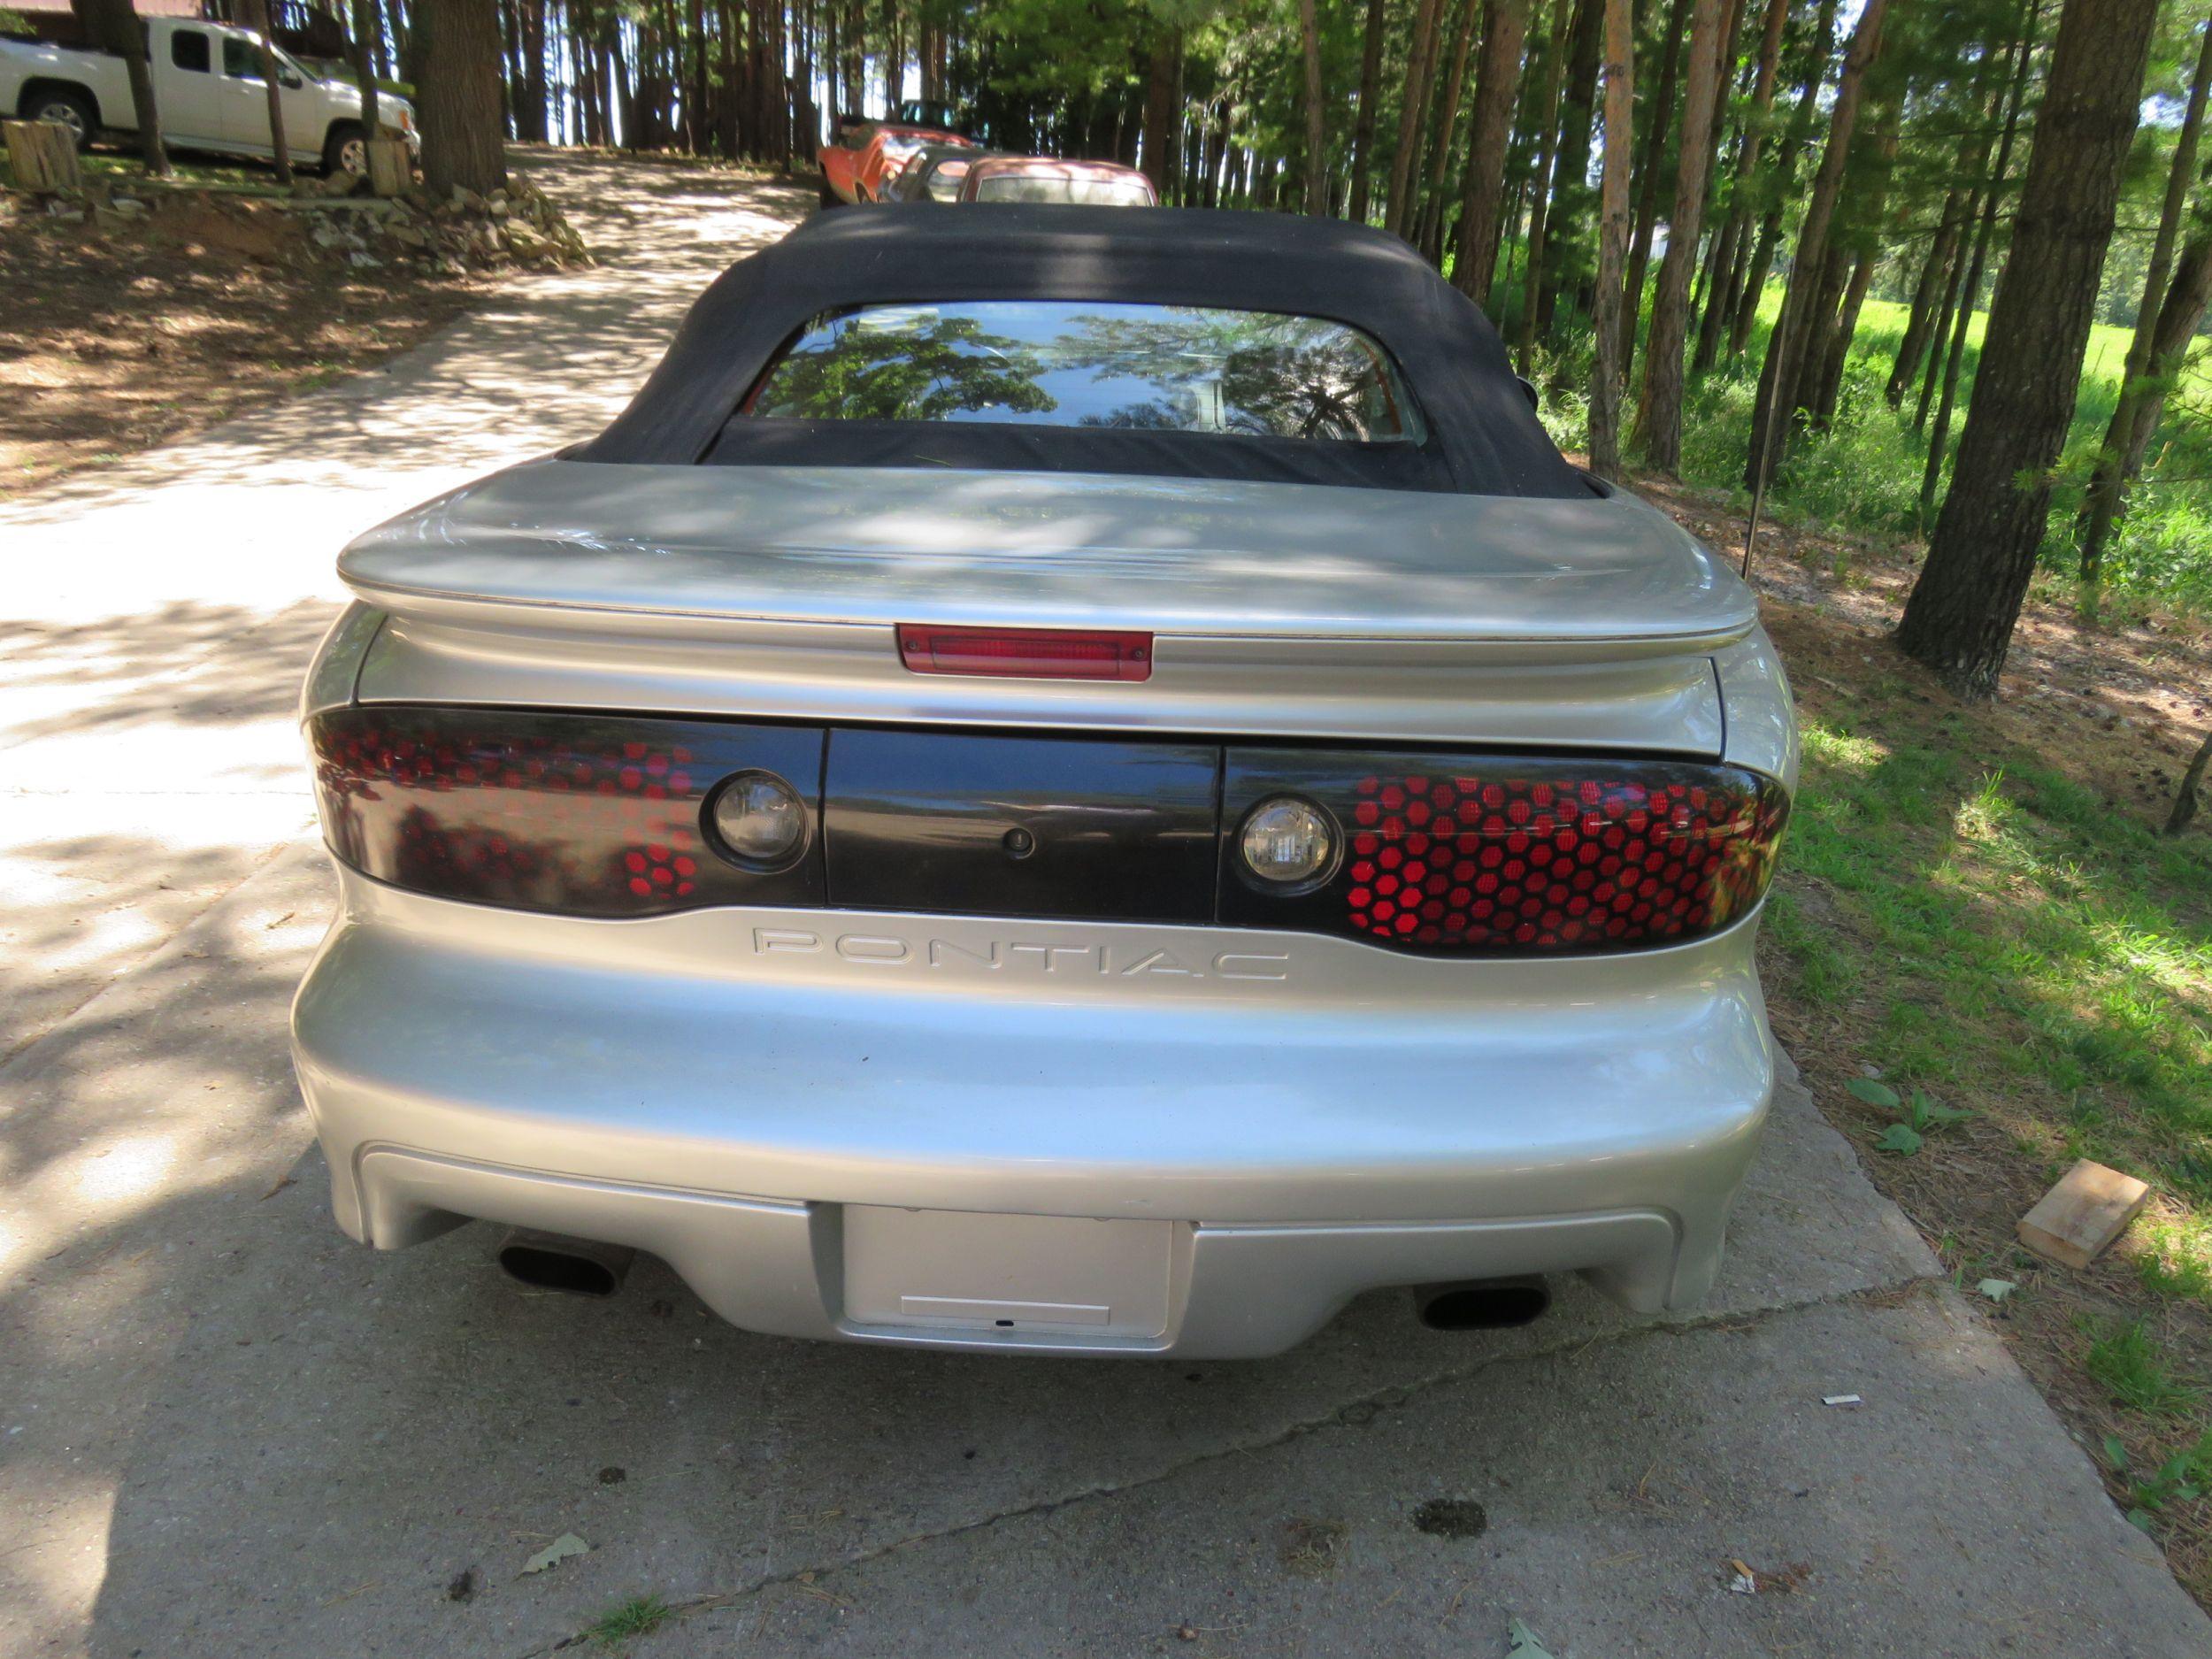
[1501, 856]
[585, 815]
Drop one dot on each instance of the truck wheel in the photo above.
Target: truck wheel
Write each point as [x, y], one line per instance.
[346, 150]
[830, 198]
[71, 108]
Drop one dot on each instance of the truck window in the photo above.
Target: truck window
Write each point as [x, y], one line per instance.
[241, 61]
[188, 49]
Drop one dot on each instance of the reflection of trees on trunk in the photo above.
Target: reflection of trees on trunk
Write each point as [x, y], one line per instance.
[1263, 375]
[932, 369]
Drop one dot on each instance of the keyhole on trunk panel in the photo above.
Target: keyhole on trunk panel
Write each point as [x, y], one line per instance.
[1019, 843]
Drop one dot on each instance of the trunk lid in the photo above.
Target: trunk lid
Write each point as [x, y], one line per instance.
[1276, 608]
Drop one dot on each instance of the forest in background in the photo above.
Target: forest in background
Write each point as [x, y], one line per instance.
[1477, 129]
[1923, 271]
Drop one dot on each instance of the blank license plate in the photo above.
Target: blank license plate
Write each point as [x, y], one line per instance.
[943, 1268]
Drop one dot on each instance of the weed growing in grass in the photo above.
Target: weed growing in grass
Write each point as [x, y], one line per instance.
[1921, 1114]
[2181, 1479]
[640, 1616]
[2134, 1370]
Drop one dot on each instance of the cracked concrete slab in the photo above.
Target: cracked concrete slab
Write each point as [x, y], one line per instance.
[1601, 1495]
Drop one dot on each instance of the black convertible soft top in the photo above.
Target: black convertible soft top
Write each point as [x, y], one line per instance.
[1483, 438]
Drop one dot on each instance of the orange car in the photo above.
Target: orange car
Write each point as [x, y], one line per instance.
[1050, 178]
[860, 166]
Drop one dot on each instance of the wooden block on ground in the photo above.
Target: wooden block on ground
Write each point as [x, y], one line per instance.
[42, 155]
[2076, 1219]
[390, 168]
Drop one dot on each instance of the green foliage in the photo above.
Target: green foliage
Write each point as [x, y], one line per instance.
[2134, 1371]
[2181, 1479]
[640, 1616]
[1920, 1114]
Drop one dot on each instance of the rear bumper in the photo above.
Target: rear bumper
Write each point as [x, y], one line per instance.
[746, 1093]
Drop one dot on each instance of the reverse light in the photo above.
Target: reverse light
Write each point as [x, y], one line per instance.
[759, 820]
[1288, 843]
[1026, 652]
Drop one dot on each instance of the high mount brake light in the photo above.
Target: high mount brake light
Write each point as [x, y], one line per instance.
[1026, 652]
[1510, 857]
[584, 815]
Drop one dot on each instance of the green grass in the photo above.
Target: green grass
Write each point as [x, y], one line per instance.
[2027, 940]
[640, 1616]
[2132, 1367]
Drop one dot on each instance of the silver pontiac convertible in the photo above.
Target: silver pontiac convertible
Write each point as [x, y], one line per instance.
[1059, 781]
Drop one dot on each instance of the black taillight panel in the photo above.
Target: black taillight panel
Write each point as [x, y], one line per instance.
[581, 814]
[980, 825]
[1506, 855]
[612, 814]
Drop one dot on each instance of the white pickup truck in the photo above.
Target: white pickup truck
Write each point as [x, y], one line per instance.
[209, 90]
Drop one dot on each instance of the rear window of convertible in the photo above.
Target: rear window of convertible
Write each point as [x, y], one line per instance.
[1085, 364]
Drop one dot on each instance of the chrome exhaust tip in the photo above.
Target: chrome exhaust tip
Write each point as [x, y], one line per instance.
[1482, 1304]
[576, 1267]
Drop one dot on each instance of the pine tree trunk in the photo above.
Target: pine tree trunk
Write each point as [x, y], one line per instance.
[2179, 318]
[1828, 388]
[1420, 55]
[1497, 79]
[1858, 225]
[1363, 123]
[1217, 151]
[1970, 291]
[1163, 121]
[532, 122]
[257, 12]
[1431, 238]
[1784, 173]
[366, 28]
[1605, 372]
[1724, 80]
[691, 70]
[1571, 198]
[1720, 306]
[1934, 272]
[1753, 286]
[1938, 342]
[1659, 412]
[1777, 373]
[1539, 183]
[2098, 512]
[1960, 618]
[115, 25]
[458, 97]
[1316, 150]
[1648, 170]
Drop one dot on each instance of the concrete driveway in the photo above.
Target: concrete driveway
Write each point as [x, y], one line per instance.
[225, 1429]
